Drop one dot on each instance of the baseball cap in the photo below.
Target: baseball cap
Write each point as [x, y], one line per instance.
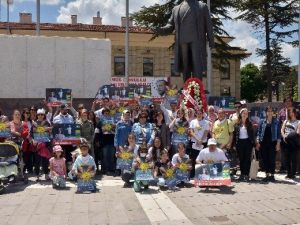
[57, 148]
[41, 111]
[212, 141]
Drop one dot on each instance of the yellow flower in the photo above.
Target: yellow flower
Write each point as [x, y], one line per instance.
[144, 166]
[40, 129]
[113, 112]
[86, 176]
[184, 167]
[121, 109]
[169, 172]
[2, 126]
[107, 127]
[171, 92]
[125, 155]
[180, 130]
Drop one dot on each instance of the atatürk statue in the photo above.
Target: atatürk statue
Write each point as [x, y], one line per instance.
[192, 23]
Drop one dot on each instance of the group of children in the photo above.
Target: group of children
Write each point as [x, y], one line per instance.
[84, 168]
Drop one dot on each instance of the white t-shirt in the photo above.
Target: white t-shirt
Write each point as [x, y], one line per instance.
[216, 156]
[177, 159]
[243, 133]
[199, 127]
[291, 126]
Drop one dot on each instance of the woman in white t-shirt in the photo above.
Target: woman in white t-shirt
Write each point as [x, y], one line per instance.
[244, 141]
[199, 129]
[290, 127]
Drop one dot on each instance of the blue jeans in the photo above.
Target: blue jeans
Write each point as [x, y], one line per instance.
[108, 158]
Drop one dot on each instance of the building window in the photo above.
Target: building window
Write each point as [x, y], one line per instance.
[225, 70]
[119, 66]
[148, 67]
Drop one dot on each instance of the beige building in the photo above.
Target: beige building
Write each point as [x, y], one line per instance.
[146, 58]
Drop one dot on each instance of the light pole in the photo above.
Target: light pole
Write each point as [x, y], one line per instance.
[209, 66]
[127, 45]
[38, 16]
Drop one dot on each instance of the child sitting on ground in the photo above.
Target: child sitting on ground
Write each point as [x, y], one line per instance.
[58, 168]
[182, 163]
[85, 169]
[161, 167]
[140, 160]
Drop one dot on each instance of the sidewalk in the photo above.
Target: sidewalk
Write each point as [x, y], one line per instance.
[244, 203]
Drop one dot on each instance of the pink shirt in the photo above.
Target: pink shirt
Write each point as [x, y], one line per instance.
[58, 165]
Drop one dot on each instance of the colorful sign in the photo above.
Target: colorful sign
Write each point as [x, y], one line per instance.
[108, 125]
[4, 130]
[144, 173]
[170, 178]
[66, 134]
[182, 173]
[179, 135]
[124, 161]
[58, 96]
[85, 181]
[41, 135]
[216, 174]
[156, 85]
[225, 102]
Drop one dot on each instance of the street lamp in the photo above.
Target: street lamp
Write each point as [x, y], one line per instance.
[9, 2]
[38, 16]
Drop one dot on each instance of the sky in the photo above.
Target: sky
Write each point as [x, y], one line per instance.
[59, 11]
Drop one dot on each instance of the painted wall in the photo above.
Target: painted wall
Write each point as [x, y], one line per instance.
[29, 64]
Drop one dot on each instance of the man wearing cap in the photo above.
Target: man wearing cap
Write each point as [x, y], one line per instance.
[63, 117]
[210, 155]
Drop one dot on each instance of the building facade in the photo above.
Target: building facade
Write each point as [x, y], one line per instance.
[146, 57]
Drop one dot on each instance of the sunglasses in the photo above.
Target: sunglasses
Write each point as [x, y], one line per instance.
[28, 113]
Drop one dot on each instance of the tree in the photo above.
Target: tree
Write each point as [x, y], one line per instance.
[275, 20]
[280, 66]
[157, 16]
[252, 83]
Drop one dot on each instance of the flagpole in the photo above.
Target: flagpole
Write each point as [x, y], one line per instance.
[127, 45]
[209, 63]
[38, 16]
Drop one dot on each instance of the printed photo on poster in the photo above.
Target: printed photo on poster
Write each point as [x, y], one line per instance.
[65, 134]
[225, 102]
[58, 96]
[216, 174]
[125, 160]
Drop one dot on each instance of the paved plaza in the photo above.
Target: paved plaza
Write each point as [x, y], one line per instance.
[243, 203]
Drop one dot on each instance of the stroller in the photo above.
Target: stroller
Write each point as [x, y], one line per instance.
[9, 171]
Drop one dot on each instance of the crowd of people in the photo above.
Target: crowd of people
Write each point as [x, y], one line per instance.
[162, 134]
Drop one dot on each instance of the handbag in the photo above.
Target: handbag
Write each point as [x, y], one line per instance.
[254, 166]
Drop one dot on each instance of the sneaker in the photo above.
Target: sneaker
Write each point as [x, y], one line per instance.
[241, 178]
[47, 177]
[272, 178]
[266, 179]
